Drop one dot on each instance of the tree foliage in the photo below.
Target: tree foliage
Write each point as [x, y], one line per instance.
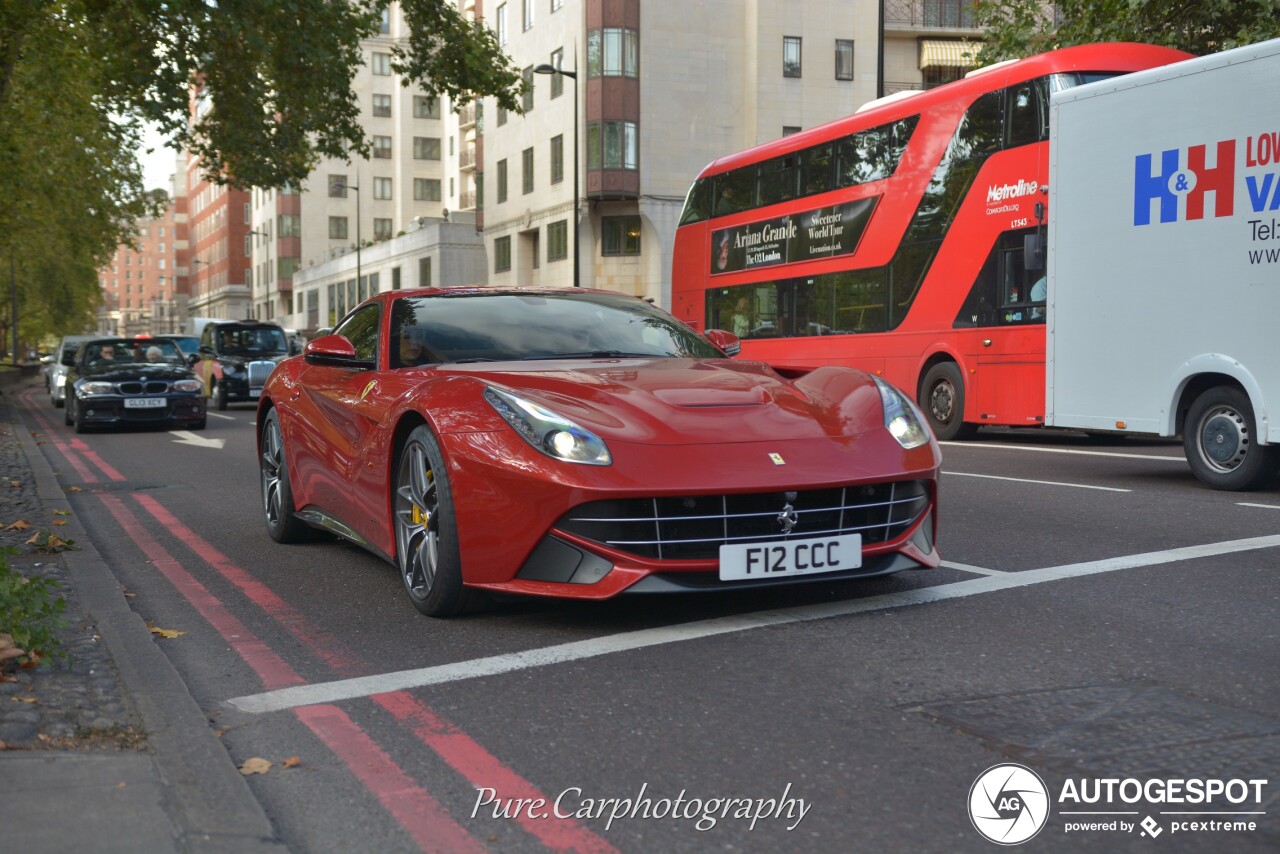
[1016, 28]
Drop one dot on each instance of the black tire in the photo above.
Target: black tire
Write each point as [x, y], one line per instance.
[66, 414]
[942, 399]
[78, 420]
[220, 396]
[1220, 437]
[277, 495]
[427, 532]
[58, 403]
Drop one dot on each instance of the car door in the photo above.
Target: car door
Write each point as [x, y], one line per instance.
[342, 407]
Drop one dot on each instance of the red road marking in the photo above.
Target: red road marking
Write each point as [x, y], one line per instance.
[92, 457]
[70, 456]
[459, 750]
[483, 769]
[427, 822]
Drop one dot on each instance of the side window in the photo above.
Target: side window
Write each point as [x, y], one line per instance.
[734, 191]
[361, 329]
[979, 131]
[206, 337]
[1026, 113]
[1004, 293]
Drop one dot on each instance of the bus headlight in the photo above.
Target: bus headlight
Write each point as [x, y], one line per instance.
[901, 418]
[549, 432]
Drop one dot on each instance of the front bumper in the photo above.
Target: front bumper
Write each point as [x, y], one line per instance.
[110, 410]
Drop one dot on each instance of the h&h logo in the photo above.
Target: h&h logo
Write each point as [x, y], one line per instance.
[1184, 180]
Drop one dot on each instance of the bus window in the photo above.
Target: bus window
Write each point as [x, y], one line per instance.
[776, 181]
[697, 206]
[873, 154]
[748, 311]
[1002, 294]
[1026, 114]
[817, 170]
[734, 191]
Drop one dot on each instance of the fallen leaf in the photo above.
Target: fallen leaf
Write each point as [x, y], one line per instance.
[121, 785]
[256, 765]
[20, 525]
[62, 512]
[24, 699]
[35, 539]
[291, 762]
[166, 633]
[59, 521]
[73, 489]
[14, 484]
[35, 435]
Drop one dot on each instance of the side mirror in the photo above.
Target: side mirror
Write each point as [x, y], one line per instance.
[726, 341]
[205, 350]
[1033, 253]
[334, 350]
[193, 360]
[68, 357]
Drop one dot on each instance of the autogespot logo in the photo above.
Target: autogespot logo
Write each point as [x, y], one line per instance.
[1008, 804]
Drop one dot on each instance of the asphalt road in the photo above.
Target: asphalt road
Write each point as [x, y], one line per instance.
[1100, 615]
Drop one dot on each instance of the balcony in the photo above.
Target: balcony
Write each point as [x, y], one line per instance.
[467, 201]
[467, 115]
[929, 16]
[467, 158]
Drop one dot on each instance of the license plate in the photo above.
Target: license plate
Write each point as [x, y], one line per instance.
[781, 558]
[145, 403]
[255, 392]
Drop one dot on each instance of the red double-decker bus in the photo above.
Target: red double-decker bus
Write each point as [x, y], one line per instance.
[895, 240]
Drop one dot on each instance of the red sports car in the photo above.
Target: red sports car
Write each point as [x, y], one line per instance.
[580, 443]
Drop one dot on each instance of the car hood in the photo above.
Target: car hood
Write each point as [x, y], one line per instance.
[122, 373]
[246, 358]
[691, 401]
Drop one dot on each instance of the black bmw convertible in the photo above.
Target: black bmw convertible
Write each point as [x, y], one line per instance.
[133, 381]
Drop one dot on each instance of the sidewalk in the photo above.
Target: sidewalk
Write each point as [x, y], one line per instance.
[106, 752]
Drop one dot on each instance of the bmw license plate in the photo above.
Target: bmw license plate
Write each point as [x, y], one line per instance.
[145, 403]
[812, 555]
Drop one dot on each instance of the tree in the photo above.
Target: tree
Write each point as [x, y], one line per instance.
[1016, 28]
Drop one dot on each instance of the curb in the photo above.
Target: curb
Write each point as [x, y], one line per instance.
[206, 797]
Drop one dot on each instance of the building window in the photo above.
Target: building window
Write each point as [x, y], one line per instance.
[527, 157]
[949, 13]
[426, 107]
[426, 148]
[382, 148]
[557, 5]
[382, 105]
[289, 225]
[557, 80]
[502, 180]
[248, 248]
[613, 52]
[500, 24]
[424, 272]
[528, 15]
[502, 255]
[790, 56]
[337, 186]
[381, 65]
[502, 116]
[620, 235]
[612, 145]
[787, 130]
[381, 228]
[247, 218]
[382, 188]
[558, 240]
[286, 267]
[557, 159]
[384, 25]
[844, 59]
[527, 74]
[426, 189]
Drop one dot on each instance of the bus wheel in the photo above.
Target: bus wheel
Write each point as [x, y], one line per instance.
[1220, 437]
[942, 399]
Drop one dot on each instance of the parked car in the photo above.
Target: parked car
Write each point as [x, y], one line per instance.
[118, 381]
[585, 444]
[235, 357]
[188, 344]
[63, 358]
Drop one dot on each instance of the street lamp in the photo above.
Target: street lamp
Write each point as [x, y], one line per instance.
[546, 68]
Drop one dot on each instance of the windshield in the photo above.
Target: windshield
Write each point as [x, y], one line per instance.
[507, 326]
[145, 351]
[251, 341]
[1072, 79]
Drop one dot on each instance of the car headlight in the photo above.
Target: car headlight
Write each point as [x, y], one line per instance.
[552, 434]
[230, 369]
[188, 385]
[901, 418]
[96, 388]
[60, 380]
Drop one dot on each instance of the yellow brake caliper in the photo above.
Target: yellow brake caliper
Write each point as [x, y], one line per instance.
[420, 516]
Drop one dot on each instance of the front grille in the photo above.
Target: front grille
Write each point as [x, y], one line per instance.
[694, 527]
[258, 373]
[153, 387]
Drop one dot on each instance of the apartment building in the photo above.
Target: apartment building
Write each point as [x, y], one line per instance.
[653, 92]
[144, 287]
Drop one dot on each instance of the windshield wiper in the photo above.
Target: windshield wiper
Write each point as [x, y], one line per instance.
[591, 354]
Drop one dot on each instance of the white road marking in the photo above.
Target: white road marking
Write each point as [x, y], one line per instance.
[364, 686]
[1263, 506]
[1008, 447]
[223, 417]
[186, 437]
[964, 567]
[946, 473]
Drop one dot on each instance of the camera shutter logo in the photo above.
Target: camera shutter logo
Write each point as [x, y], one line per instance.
[1008, 804]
